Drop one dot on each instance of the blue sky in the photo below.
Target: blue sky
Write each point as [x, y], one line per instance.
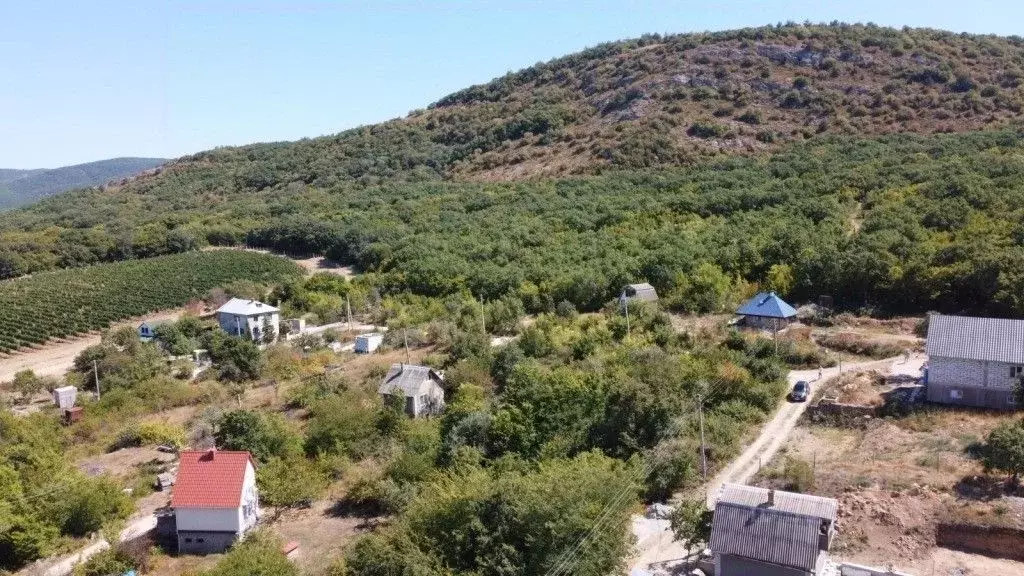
[91, 80]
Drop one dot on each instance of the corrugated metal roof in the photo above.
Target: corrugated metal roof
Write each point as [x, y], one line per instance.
[791, 502]
[767, 304]
[409, 379]
[973, 338]
[243, 307]
[643, 291]
[766, 535]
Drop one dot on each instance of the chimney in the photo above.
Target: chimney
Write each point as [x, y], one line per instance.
[771, 497]
[210, 453]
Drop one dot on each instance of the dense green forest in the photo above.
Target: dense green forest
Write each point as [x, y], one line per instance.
[897, 223]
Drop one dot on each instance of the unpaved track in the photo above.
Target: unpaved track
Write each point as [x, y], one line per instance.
[56, 358]
[776, 431]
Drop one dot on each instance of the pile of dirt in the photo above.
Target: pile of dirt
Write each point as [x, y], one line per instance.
[859, 388]
[897, 524]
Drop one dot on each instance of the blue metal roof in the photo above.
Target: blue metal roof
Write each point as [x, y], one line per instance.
[767, 304]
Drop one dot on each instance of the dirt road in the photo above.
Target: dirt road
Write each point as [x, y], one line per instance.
[775, 432]
[657, 551]
[56, 358]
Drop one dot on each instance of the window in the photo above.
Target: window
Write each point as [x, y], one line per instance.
[1016, 371]
[188, 540]
[956, 394]
[200, 540]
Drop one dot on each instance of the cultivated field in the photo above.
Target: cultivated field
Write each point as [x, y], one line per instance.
[68, 302]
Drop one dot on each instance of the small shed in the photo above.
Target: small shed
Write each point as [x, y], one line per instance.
[767, 311]
[420, 386]
[643, 292]
[368, 343]
[65, 396]
[71, 415]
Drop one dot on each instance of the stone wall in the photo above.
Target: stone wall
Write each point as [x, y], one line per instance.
[833, 413]
[994, 541]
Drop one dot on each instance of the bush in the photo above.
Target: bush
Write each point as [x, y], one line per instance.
[706, 130]
[797, 475]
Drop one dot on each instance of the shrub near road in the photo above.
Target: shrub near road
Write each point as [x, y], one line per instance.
[69, 302]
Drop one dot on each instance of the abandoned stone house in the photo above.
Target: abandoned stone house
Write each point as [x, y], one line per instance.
[420, 387]
[762, 532]
[974, 361]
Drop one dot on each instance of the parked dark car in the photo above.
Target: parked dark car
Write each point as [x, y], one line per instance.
[801, 391]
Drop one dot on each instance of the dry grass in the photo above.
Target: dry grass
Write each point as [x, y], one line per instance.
[898, 478]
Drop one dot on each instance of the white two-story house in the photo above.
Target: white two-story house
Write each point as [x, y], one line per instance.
[249, 318]
[215, 501]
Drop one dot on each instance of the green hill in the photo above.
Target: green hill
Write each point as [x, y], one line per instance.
[877, 165]
[20, 187]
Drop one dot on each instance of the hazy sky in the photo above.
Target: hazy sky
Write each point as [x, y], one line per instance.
[90, 80]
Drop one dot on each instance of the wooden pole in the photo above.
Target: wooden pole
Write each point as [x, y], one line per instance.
[483, 324]
[703, 453]
[625, 303]
[348, 311]
[96, 376]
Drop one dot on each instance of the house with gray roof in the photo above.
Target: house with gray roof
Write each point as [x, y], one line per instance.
[249, 319]
[974, 361]
[763, 532]
[643, 292]
[421, 387]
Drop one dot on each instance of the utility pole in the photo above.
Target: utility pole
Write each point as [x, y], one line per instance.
[405, 337]
[703, 453]
[483, 325]
[96, 376]
[625, 303]
[348, 311]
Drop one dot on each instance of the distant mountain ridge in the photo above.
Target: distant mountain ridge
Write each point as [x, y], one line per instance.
[21, 187]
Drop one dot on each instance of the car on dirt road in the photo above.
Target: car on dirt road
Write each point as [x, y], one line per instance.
[801, 391]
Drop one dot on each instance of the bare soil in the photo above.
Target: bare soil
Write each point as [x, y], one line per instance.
[897, 479]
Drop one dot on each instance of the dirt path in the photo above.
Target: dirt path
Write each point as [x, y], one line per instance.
[56, 358]
[776, 431]
[657, 551]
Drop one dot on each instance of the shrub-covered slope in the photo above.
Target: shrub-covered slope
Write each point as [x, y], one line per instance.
[743, 149]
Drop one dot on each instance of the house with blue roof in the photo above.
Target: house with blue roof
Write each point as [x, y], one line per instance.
[767, 311]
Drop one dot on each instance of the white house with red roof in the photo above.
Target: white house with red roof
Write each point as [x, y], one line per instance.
[215, 500]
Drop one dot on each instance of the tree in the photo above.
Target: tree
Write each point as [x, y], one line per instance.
[780, 279]
[263, 436]
[268, 331]
[26, 383]
[1004, 449]
[290, 482]
[691, 523]
[258, 555]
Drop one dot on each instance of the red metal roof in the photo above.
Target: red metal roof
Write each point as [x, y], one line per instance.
[209, 479]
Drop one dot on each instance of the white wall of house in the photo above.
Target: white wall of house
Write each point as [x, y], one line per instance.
[208, 519]
[975, 373]
[248, 326]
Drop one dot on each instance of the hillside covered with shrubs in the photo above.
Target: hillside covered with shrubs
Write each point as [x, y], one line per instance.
[692, 161]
